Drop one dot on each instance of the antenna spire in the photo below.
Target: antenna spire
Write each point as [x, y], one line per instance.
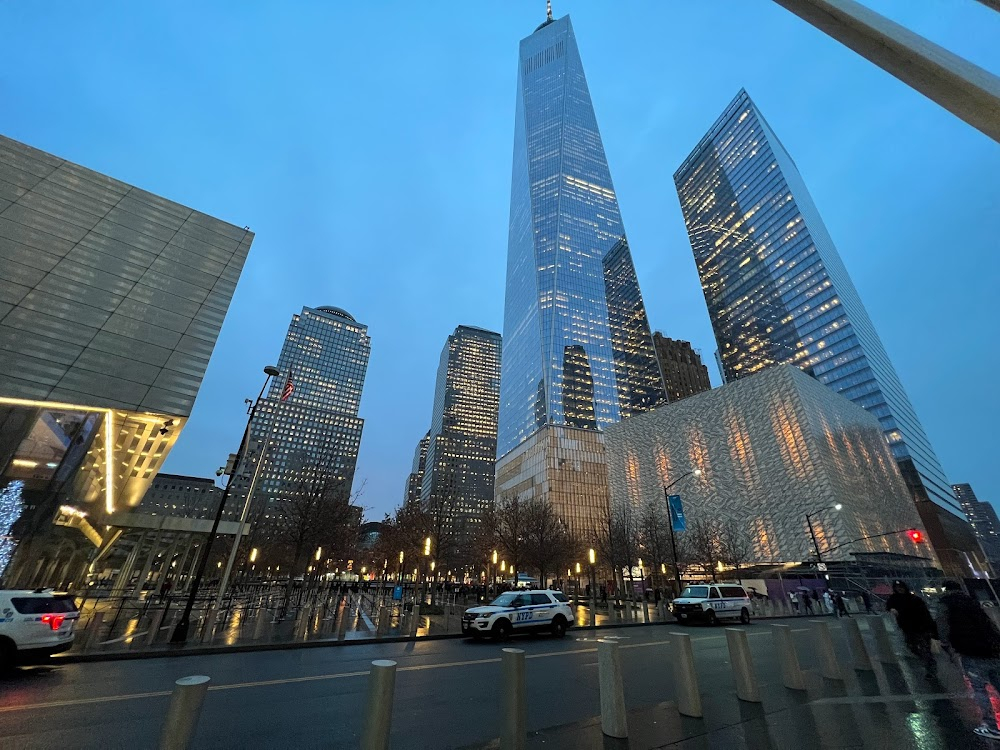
[548, 10]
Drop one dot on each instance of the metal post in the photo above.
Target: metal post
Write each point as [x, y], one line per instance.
[858, 650]
[514, 730]
[812, 533]
[414, 620]
[824, 648]
[791, 673]
[182, 716]
[614, 722]
[377, 720]
[747, 688]
[673, 541]
[685, 677]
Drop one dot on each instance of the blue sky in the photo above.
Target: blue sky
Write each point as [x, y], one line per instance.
[369, 147]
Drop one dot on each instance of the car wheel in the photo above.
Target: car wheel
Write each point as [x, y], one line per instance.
[559, 626]
[7, 652]
[501, 630]
[710, 618]
[745, 616]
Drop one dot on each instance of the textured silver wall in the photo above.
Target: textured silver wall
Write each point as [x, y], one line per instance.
[109, 296]
[772, 447]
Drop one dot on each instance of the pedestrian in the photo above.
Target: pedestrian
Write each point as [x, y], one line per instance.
[914, 619]
[867, 599]
[807, 600]
[841, 604]
[966, 630]
[794, 599]
[828, 602]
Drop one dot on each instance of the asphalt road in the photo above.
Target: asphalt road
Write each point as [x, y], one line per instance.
[447, 691]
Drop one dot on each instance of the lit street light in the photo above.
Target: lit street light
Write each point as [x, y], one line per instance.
[812, 532]
[670, 523]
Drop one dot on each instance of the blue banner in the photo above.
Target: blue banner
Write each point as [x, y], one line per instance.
[677, 519]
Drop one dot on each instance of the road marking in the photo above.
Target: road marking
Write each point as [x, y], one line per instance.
[905, 698]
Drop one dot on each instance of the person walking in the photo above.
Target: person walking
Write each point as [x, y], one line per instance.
[838, 599]
[966, 630]
[867, 599]
[828, 603]
[914, 619]
[807, 600]
[794, 599]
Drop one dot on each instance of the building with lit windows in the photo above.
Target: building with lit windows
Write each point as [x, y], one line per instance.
[179, 495]
[415, 480]
[771, 448]
[684, 374]
[307, 431]
[458, 479]
[983, 517]
[578, 353]
[111, 300]
[778, 292]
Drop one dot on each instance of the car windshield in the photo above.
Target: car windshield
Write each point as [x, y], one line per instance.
[504, 600]
[695, 592]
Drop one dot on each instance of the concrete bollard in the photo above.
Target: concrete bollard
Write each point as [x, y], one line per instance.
[645, 611]
[154, 626]
[859, 653]
[182, 716]
[609, 666]
[747, 688]
[94, 630]
[377, 720]
[261, 624]
[791, 673]
[208, 631]
[829, 667]
[414, 620]
[593, 613]
[685, 677]
[514, 730]
[883, 644]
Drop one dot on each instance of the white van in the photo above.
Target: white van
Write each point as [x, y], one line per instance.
[711, 602]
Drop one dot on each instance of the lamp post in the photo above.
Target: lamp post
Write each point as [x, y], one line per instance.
[812, 531]
[180, 633]
[670, 523]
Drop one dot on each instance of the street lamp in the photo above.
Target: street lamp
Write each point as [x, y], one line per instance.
[812, 532]
[180, 633]
[670, 523]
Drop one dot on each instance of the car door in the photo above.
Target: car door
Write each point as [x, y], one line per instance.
[521, 616]
[541, 607]
[715, 601]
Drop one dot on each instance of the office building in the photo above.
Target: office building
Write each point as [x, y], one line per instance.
[684, 374]
[307, 427]
[111, 300]
[771, 448]
[778, 292]
[462, 444]
[184, 496]
[983, 517]
[578, 352]
[415, 480]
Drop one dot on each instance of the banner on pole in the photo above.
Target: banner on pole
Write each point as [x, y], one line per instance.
[677, 520]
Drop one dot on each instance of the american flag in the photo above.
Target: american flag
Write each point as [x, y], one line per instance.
[289, 389]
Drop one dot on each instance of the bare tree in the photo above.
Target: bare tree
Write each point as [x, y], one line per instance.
[506, 523]
[736, 546]
[617, 540]
[654, 533]
[549, 545]
[701, 545]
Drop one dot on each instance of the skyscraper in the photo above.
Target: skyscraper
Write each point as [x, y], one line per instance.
[684, 374]
[111, 301]
[415, 480]
[578, 354]
[462, 444]
[983, 517]
[307, 429]
[778, 292]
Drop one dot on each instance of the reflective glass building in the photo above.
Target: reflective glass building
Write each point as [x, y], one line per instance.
[314, 434]
[457, 485]
[778, 292]
[415, 480]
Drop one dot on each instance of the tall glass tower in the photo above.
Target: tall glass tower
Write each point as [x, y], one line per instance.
[778, 292]
[578, 351]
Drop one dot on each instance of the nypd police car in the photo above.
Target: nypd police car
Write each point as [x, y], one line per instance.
[34, 625]
[520, 612]
[710, 603]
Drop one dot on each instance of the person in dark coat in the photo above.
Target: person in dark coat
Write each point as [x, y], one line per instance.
[838, 600]
[966, 630]
[914, 619]
[867, 599]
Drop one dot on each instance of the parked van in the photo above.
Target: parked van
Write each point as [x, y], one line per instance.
[711, 602]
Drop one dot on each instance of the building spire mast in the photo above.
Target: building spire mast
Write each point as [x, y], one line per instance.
[548, 10]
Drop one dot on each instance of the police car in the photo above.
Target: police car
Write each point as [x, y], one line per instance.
[34, 625]
[520, 612]
[710, 603]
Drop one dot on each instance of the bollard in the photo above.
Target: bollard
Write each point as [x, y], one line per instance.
[791, 673]
[685, 677]
[829, 667]
[377, 718]
[414, 620]
[207, 632]
[593, 612]
[747, 688]
[859, 653]
[645, 611]
[609, 667]
[883, 645]
[182, 716]
[154, 626]
[514, 730]
[94, 628]
[261, 624]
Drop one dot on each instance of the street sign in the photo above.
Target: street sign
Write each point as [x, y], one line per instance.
[821, 567]
[677, 520]
[397, 594]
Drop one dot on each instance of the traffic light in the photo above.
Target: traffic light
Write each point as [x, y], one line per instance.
[915, 535]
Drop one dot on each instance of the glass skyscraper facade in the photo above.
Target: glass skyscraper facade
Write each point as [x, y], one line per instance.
[415, 480]
[310, 432]
[778, 292]
[577, 345]
[462, 443]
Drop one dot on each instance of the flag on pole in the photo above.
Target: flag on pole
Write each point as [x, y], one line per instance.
[289, 389]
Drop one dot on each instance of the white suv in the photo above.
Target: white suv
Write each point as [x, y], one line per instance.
[710, 603]
[520, 612]
[34, 625]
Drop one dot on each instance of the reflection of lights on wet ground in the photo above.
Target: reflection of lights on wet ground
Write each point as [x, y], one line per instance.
[923, 731]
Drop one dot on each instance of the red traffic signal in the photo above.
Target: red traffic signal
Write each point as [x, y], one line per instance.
[915, 535]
